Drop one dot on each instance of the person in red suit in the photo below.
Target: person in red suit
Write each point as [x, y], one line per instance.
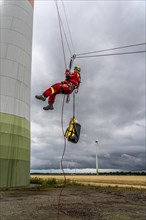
[67, 86]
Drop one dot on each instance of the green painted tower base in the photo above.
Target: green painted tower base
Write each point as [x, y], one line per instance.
[14, 151]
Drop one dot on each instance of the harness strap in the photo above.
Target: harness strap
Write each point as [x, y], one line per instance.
[74, 105]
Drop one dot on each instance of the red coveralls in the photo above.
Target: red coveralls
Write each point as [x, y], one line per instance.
[65, 87]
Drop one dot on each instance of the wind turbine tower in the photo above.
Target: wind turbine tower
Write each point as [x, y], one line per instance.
[16, 25]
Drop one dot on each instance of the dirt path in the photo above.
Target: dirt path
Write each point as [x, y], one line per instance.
[77, 203]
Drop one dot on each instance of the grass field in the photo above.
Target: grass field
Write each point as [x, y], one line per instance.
[121, 181]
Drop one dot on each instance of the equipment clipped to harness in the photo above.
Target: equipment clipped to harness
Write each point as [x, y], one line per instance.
[70, 66]
[73, 131]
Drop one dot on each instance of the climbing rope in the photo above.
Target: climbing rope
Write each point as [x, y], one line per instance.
[59, 21]
[64, 149]
[68, 27]
[114, 48]
[61, 162]
[113, 54]
[62, 112]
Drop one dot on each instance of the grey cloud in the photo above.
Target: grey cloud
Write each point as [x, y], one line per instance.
[110, 104]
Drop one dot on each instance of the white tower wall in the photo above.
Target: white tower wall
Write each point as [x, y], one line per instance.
[15, 90]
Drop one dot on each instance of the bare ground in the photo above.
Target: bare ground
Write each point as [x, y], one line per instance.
[76, 203]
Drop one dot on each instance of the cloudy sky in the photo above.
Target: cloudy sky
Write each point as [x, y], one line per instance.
[110, 105]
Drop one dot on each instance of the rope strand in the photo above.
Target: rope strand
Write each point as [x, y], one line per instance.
[62, 113]
[61, 162]
[68, 27]
[59, 21]
[115, 48]
[112, 54]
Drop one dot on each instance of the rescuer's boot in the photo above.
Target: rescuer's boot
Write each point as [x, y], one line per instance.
[49, 107]
[41, 97]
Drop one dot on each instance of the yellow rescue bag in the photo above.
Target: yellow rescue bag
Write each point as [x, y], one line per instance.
[73, 131]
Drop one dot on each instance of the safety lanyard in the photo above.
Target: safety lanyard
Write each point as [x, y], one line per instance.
[74, 104]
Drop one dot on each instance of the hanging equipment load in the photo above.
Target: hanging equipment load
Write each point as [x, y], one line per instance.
[73, 131]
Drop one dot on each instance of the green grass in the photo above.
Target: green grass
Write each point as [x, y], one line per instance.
[43, 182]
[51, 182]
